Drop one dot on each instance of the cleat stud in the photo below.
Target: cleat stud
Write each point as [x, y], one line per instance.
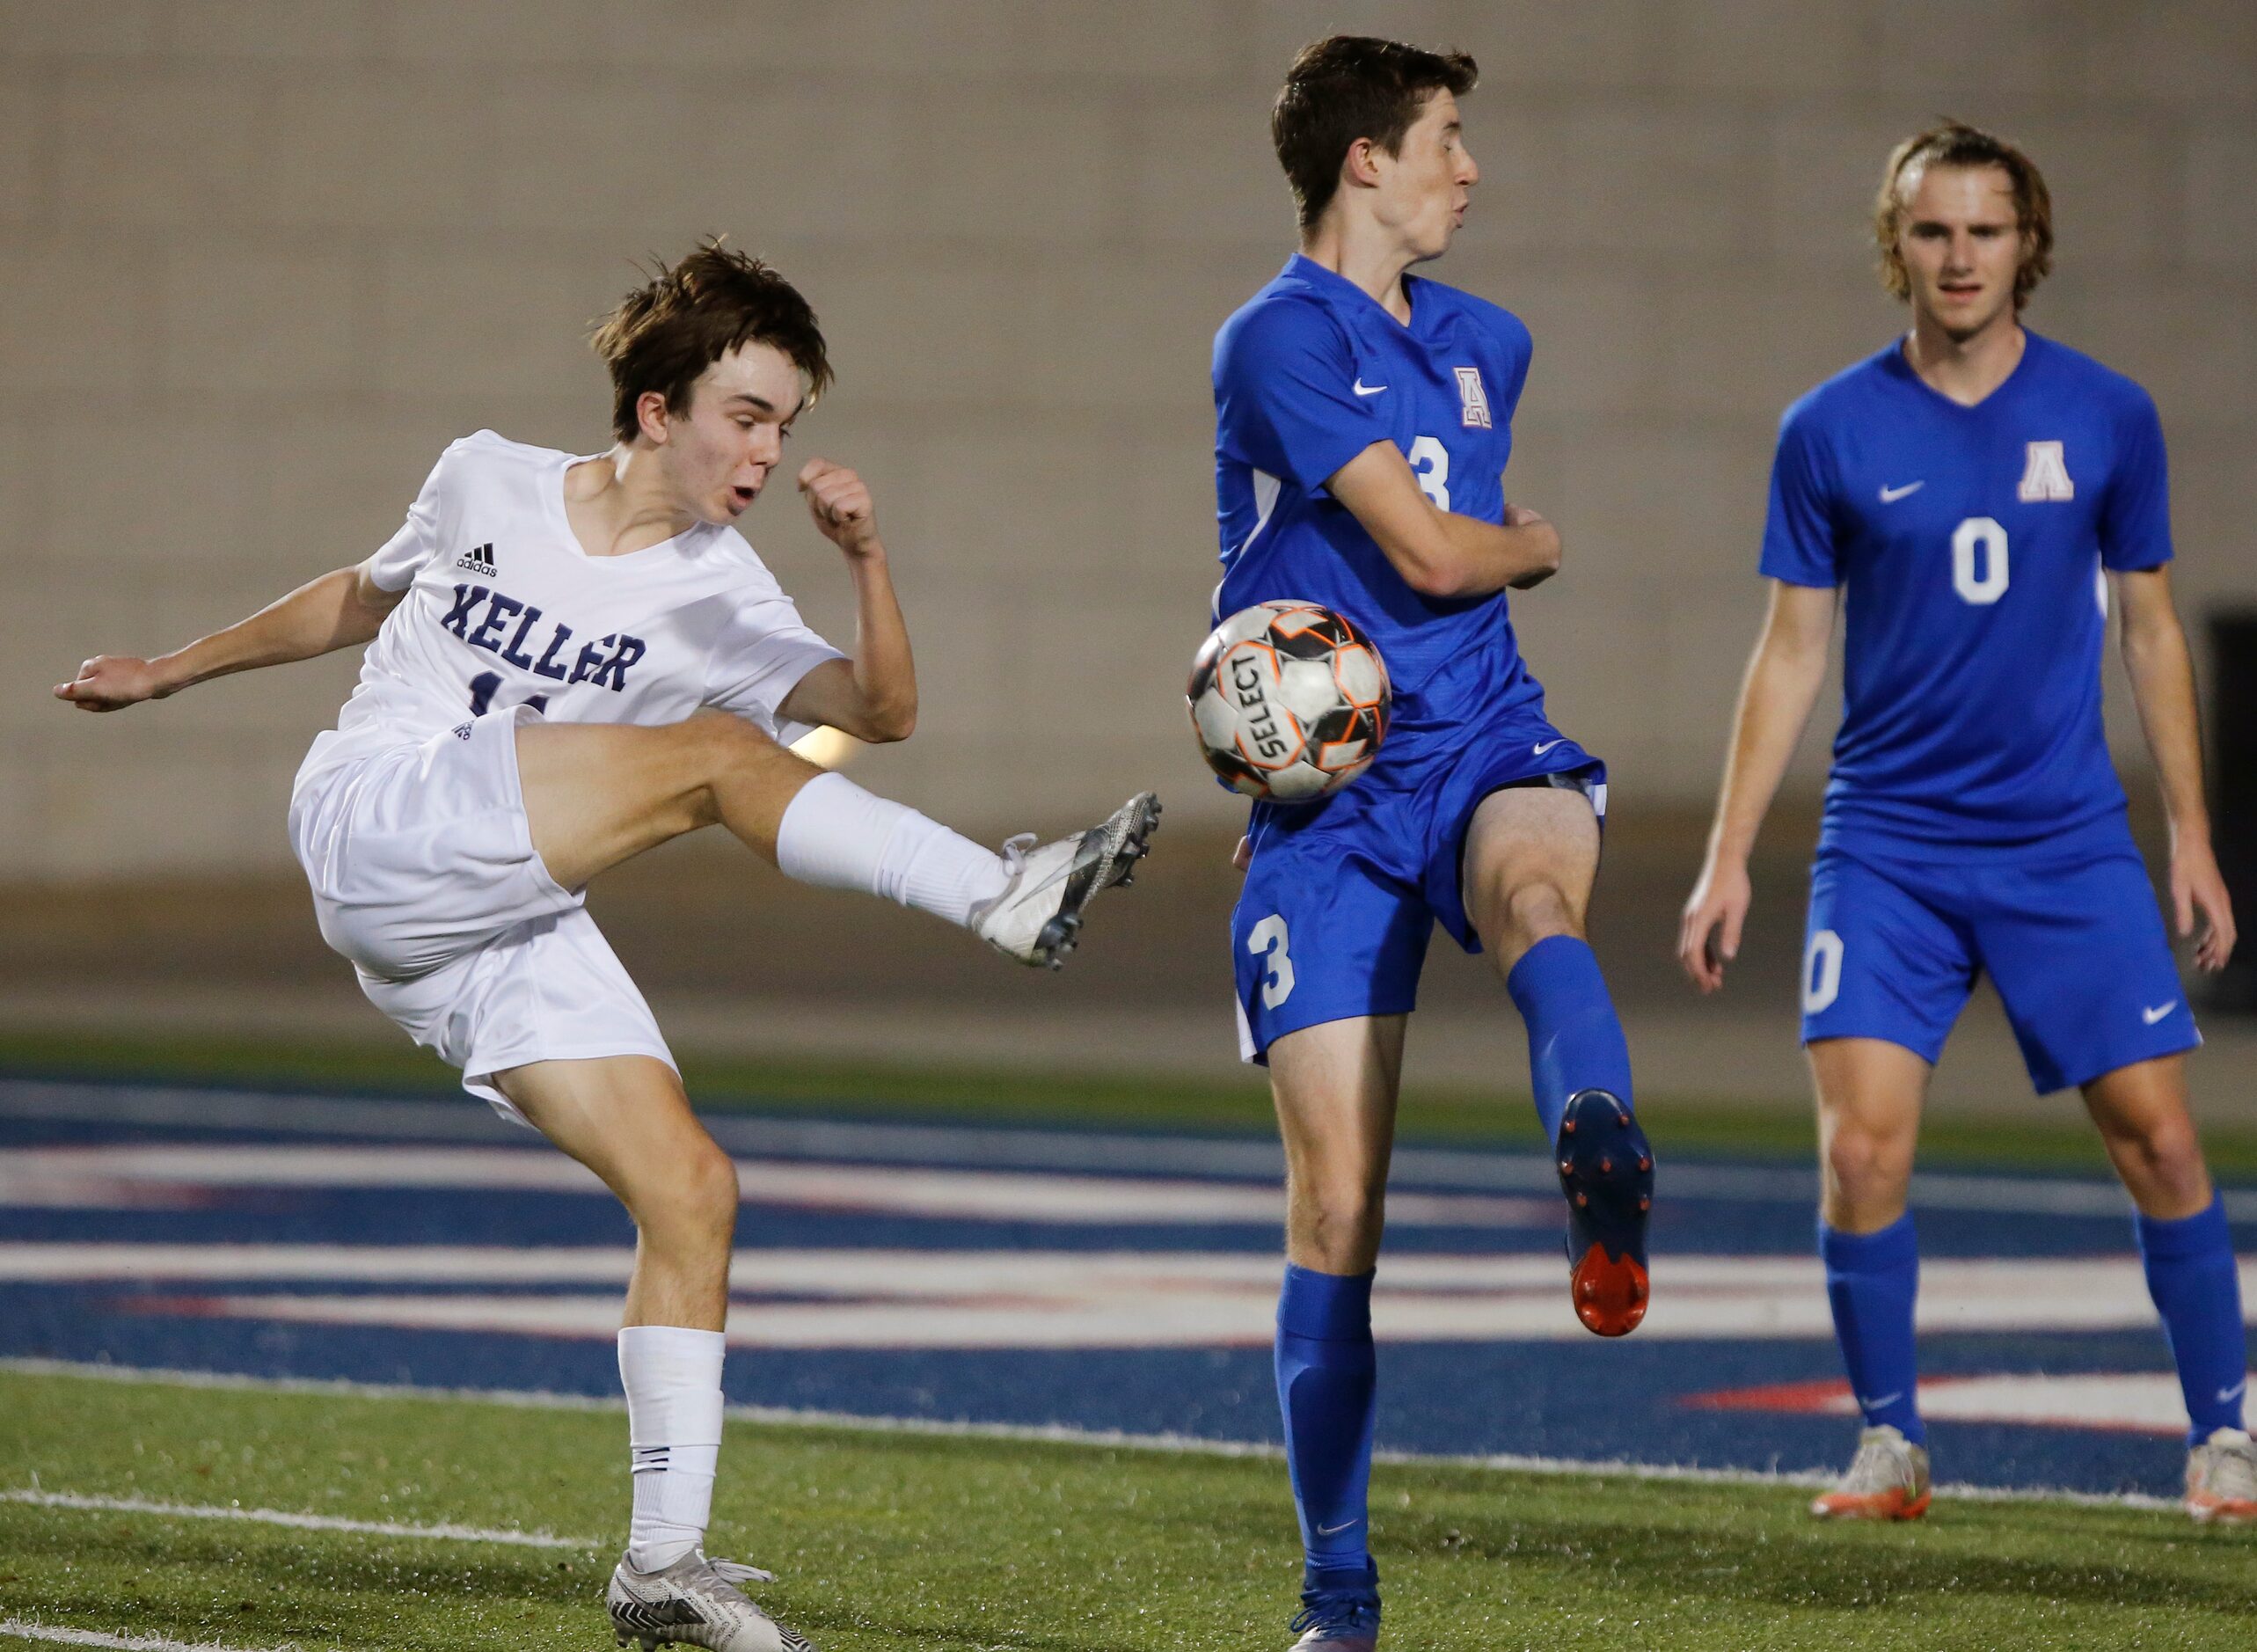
[1581, 1199]
[1644, 1202]
[1606, 1165]
[1566, 1166]
[1645, 1161]
[1566, 1126]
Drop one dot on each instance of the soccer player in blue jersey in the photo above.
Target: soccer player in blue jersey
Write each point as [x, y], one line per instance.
[1978, 497]
[1363, 420]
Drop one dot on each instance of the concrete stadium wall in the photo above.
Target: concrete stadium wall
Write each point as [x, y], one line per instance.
[260, 260]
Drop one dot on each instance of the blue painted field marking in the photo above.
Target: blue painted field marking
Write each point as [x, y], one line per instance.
[876, 1291]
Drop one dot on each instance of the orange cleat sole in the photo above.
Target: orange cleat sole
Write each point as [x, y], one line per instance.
[2222, 1511]
[1894, 1506]
[1610, 1293]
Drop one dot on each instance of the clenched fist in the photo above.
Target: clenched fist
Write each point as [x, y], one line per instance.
[111, 681]
[840, 502]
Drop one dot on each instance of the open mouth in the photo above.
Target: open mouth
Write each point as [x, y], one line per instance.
[740, 497]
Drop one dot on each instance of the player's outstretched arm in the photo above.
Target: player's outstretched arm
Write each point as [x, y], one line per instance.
[340, 609]
[1785, 674]
[1439, 553]
[873, 697]
[2162, 674]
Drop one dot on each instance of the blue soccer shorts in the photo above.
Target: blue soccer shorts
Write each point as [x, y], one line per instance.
[1341, 895]
[2076, 947]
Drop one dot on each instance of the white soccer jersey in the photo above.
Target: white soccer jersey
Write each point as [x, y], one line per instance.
[503, 608]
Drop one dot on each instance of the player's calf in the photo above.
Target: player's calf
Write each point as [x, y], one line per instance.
[1606, 1170]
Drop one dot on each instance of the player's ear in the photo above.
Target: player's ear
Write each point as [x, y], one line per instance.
[1360, 165]
[654, 417]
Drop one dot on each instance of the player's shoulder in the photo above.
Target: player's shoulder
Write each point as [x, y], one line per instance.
[1291, 315]
[488, 456]
[2070, 370]
[1847, 397]
[752, 580]
[1502, 324]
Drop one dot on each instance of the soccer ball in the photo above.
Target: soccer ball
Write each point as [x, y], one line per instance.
[1290, 700]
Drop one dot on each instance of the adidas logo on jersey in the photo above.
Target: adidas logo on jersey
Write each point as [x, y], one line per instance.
[478, 560]
[2045, 475]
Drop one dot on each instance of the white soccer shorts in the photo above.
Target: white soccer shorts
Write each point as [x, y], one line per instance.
[424, 876]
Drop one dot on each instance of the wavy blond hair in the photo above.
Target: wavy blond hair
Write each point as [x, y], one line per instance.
[1955, 143]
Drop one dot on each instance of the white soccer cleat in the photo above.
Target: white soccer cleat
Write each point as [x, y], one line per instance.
[1038, 916]
[1888, 1480]
[696, 1601]
[2222, 1479]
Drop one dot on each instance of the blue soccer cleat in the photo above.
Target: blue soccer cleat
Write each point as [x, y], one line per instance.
[1341, 1618]
[1606, 1170]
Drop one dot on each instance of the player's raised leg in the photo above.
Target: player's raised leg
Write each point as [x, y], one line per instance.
[1335, 1088]
[1870, 1093]
[597, 795]
[625, 1117]
[2191, 1274]
[1531, 854]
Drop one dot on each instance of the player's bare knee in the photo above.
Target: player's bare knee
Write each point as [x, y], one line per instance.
[1339, 1221]
[1537, 910]
[710, 748]
[694, 1205]
[1868, 1167]
[2163, 1156]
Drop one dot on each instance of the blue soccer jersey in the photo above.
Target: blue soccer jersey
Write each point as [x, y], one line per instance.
[1342, 896]
[1309, 373]
[1970, 543]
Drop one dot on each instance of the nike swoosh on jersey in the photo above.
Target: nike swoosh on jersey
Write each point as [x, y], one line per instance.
[2227, 1396]
[1890, 495]
[1546, 746]
[1877, 1403]
[1363, 389]
[2156, 1014]
[1333, 1531]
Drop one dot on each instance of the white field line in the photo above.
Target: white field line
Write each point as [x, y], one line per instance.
[443, 1532]
[989, 1147]
[17, 1626]
[1055, 1434]
[144, 1175]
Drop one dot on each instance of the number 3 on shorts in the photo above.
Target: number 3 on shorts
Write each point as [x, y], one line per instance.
[1268, 938]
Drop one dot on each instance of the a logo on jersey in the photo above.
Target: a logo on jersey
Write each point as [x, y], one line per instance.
[1473, 400]
[602, 663]
[478, 560]
[2045, 475]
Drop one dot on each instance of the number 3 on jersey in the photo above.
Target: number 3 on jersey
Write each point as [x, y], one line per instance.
[1430, 463]
[1267, 938]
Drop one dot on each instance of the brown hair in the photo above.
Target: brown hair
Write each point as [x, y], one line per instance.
[1955, 143]
[666, 332]
[1352, 87]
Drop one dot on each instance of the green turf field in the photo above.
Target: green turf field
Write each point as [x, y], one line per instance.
[1682, 1125]
[884, 1541]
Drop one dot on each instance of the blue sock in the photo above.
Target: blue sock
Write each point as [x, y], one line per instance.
[2191, 1275]
[1575, 1038]
[1871, 1279]
[1325, 1388]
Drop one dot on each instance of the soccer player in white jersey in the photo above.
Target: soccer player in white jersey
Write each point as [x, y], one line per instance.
[1970, 495]
[574, 660]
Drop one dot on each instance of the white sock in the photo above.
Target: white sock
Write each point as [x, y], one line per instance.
[836, 836]
[673, 1379]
